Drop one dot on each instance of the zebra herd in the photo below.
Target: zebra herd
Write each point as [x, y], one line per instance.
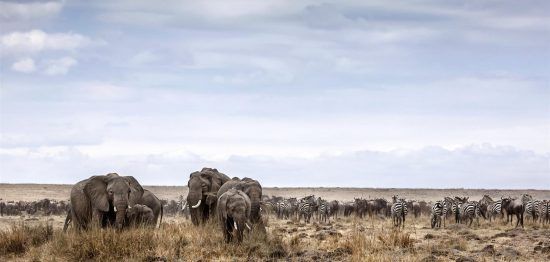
[306, 208]
[457, 209]
[464, 210]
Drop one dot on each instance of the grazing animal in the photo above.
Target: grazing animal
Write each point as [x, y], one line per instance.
[545, 212]
[349, 208]
[150, 200]
[514, 206]
[306, 207]
[103, 200]
[360, 207]
[469, 211]
[494, 209]
[202, 197]
[532, 209]
[399, 212]
[234, 211]
[140, 215]
[334, 208]
[447, 209]
[437, 213]
[324, 211]
[283, 209]
[457, 207]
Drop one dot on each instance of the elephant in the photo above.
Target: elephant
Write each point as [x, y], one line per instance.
[203, 187]
[140, 215]
[234, 210]
[150, 200]
[102, 201]
[251, 188]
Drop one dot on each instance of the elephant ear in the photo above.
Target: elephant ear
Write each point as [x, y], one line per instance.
[248, 207]
[136, 190]
[222, 206]
[96, 190]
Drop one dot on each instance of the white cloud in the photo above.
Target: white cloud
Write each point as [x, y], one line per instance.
[59, 66]
[17, 11]
[37, 40]
[474, 166]
[25, 65]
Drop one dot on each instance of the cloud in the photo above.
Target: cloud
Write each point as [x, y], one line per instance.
[18, 11]
[37, 40]
[474, 166]
[25, 65]
[59, 66]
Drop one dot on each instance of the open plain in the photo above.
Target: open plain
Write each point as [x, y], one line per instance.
[373, 238]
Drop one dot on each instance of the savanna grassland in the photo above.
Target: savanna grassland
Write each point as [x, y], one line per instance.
[40, 238]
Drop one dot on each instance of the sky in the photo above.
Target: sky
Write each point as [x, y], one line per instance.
[424, 94]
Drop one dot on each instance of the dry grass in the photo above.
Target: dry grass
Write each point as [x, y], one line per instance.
[345, 239]
[21, 237]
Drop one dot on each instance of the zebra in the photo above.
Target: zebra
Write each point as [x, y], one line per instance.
[324, 211]
[399, 212]
[469, 211]
[306, 208]
[545, 212]
[457, 206]
[437, 213]
[494, 209]
[447, 209]
[283, 208]
[532, 209]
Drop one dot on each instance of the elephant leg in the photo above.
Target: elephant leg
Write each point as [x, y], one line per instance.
[227, 231]
[195, 216]
[205, 214]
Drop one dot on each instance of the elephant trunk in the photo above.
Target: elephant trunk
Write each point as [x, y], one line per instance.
[255, 211]
[120, 211]
[194, 199]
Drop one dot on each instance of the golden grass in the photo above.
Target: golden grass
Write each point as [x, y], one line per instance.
[21, 237]
[345, 239]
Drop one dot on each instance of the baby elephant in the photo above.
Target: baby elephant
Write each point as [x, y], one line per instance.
[234, 213]
[140, 215]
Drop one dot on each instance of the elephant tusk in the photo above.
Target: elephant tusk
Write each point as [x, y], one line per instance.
[235, 224]
[129, 207]
[198, 204]
[115, 208]
[248, 226]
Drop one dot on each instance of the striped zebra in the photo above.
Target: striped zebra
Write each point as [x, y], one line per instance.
[495, 209]
[324, 211]
[545, 212]
[447, 209]
[532, 209]
[437, 213]
[469, 211]
[306, 207]
[399, 212]
[457, 207]
[283, 209]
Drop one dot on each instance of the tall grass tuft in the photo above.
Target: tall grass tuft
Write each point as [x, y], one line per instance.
[21, 237]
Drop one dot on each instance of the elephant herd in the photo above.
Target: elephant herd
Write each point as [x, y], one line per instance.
[112, 201]
[121, 202]
[235, 202]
